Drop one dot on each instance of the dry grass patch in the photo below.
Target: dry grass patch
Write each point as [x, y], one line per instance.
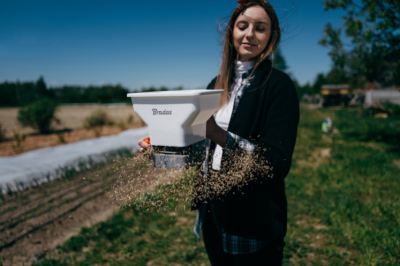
[316, 158]
[70, 116]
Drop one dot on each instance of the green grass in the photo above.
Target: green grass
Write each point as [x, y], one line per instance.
[343, 197]
[370, 129]
[132, 237]
[346, 210]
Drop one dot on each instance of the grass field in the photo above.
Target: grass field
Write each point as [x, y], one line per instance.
[343, 197]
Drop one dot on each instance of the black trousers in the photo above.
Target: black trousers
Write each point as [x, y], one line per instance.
[270, 255]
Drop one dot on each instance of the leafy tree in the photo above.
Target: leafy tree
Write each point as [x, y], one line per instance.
[373, 28]
[97, 119]
[319, 81]
[337, 76]
[41, 87]
[279, 61]
[38, 115]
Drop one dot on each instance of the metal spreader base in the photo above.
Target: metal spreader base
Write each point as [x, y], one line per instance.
[179, 158]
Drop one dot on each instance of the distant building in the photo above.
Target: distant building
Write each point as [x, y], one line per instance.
[374, 97]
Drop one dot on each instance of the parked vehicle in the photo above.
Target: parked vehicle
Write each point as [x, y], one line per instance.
[335, 94]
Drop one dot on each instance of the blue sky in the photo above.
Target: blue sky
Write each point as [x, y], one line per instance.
[143, 43]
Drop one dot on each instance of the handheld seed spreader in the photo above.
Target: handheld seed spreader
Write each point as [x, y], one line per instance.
[177, 124]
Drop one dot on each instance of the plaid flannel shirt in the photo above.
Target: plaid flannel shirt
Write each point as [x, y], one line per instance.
[232, 244]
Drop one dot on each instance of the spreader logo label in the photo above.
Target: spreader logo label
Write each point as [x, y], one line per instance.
[165, 112]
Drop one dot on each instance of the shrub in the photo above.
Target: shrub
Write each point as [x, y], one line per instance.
[366, 128]
[121, 125]
[97, 119]
[130, 119]
[10, 192]
[391, 108]
[2, 133]
[19, 139]
[38, 115]
[51, 262]
[61, 138]
[75, 243]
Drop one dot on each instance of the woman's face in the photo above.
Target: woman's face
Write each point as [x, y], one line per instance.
[251, 33]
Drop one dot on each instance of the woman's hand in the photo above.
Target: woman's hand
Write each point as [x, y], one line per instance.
[215, 133]
[144, 143]
[211, 126]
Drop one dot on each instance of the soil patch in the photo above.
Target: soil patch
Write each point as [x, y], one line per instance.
[41, 218]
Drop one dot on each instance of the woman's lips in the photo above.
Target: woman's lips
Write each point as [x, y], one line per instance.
[248, 45]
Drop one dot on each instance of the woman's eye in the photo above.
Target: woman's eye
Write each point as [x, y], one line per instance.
[260, 29]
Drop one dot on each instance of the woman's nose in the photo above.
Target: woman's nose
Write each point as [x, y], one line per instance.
[250, 33]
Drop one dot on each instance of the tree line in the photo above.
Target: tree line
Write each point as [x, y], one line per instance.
[332, 77]
[23, 93]
[371, 52]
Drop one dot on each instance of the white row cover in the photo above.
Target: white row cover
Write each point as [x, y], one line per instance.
[38, 163]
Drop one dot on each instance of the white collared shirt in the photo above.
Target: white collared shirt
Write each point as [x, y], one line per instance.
[223, 116]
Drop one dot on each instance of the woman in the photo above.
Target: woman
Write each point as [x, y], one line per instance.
[259, 114]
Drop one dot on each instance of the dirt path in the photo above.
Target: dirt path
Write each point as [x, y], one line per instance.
[39, 219]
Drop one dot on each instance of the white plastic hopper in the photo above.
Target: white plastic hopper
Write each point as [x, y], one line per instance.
[176, 118]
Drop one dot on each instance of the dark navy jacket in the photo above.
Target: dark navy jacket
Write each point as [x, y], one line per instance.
[268, 116]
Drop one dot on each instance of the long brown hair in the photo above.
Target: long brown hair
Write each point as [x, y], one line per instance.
[229, 54]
